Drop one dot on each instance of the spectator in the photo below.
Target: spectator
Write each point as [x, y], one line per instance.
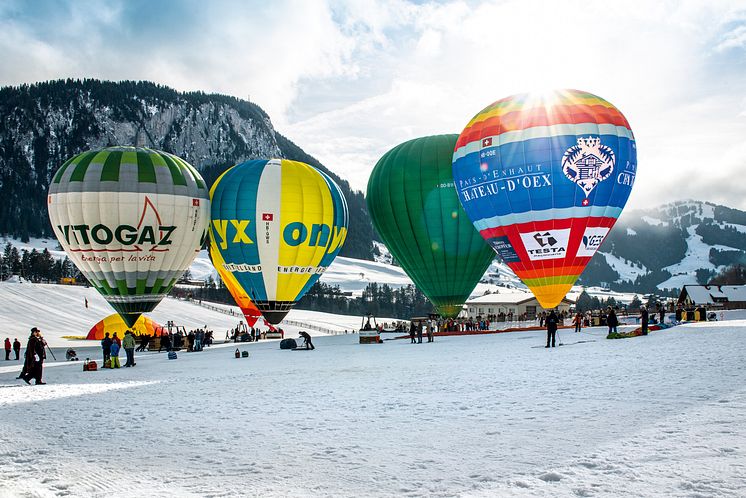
[35, 355]
[129, 348]
[106, 343]
[551, 321]
[17, 347]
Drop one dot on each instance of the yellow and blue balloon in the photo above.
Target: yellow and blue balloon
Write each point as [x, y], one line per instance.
[275, 227]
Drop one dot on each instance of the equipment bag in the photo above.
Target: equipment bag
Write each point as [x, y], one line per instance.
[172, 355]
[288, 344]
[244, 354]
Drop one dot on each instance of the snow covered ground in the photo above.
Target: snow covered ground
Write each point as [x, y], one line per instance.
[497, 415]
[59, 311]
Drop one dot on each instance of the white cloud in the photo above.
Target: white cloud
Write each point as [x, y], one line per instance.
[649, 60]
[348, 80]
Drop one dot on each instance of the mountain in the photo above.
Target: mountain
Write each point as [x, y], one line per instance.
[42, 125]
[658, 250]
[666, 247]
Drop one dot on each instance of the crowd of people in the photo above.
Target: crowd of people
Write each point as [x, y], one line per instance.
[416, 327]
[192, 341]
[111, 346]
[196, 340]
[242, 333]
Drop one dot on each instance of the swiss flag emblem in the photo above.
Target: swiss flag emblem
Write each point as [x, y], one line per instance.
[487, 142]
[268, 217]
[195, 202]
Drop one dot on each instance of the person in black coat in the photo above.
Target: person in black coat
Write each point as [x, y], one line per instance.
[35, 355]
[644, 320]
[307, 339]
[106, 346]
[412, 332]
[611, 320]
[552, 321]
[165, 342]
[17, 347]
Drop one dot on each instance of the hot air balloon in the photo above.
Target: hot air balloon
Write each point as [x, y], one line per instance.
[544, 178]
[416, 211]
[276, 225]
[132, 219]
[114, 323]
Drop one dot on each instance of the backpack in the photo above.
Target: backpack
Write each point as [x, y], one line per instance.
[172, 355]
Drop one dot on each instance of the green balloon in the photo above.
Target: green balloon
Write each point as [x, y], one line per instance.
[414, 206]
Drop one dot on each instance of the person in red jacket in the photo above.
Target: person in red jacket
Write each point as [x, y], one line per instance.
[7, 349]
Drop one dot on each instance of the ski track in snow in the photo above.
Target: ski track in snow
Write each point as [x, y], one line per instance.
[663, 415]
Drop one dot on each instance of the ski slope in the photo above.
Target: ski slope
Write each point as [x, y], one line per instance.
[477, 416]
[60, 311]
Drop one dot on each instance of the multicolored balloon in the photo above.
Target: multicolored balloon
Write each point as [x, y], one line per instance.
[276, 226]
[417, 213]
[544, 178]
[114, 323]
[132, 219]
[250, 312]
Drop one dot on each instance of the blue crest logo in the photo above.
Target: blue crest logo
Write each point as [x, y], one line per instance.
[588, 163]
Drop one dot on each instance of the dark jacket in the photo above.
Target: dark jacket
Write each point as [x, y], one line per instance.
[34, 351]
[16, 345]
[106, 344]
[552, 322]
[612, 320]
[644, 315]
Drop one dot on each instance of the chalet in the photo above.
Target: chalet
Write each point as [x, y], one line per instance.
[516, 303]
[713, 296]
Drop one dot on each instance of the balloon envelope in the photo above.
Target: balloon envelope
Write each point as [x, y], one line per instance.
[416, 211]
[114, 323]
[276, 226]
[250, 312]
[544, 178]
[132, 220]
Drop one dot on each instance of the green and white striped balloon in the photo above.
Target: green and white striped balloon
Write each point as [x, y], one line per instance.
[132, 219]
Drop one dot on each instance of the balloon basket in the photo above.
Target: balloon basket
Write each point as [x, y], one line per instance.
[370, 337]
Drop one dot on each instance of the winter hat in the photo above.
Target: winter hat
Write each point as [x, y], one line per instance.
[34, 329]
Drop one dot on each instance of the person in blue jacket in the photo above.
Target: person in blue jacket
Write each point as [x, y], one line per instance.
[114, 355]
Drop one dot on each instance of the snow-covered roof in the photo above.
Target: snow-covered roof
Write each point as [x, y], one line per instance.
[504, 298]
[709, 294]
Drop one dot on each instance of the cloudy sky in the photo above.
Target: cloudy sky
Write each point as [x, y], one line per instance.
[348, 80]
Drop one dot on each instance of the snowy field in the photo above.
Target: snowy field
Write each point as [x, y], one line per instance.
[60, 312]
[478, 416]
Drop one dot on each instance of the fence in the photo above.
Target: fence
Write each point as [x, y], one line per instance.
[232, 312]
[312, 327]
